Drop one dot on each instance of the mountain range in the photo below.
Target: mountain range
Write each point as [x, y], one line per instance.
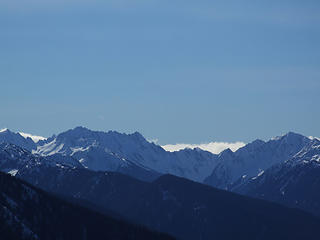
[293, 183]
[130, 154]
[170, 204]
[167, 191]
[254, 158]
[133, 155]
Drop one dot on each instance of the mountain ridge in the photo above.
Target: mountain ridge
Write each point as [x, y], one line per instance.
[134, 155]
[292, 183]
[113, 151]
[254, 158]
[168, 203]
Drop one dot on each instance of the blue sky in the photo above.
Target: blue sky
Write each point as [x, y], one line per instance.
[179, 71]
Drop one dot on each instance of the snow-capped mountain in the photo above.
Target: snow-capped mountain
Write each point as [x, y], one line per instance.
[132, 154]
[285, 169]
[294, 183]
[25, 141]
[14, 159]
[253, 159]
[111, 151]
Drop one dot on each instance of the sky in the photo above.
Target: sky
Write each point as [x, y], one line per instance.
[186, 72]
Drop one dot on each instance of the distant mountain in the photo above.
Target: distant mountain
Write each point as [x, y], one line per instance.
[253, 159]
[182, 208]
[130, 154]
[258, 169]
[294, 183]
[29, 213]
[16, 138]
[14, 158]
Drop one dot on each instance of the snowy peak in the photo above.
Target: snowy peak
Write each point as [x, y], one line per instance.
[13, 157]
[6, 131]
[288, 145]
[84, 137]
[3, 130]
[33, 137]
[110, 151]
[138, 136]
[309, 154]
[254, 158]
[114, 151]
[294, 182]
[16, 138]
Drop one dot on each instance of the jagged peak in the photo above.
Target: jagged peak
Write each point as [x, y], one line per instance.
[32, 137]
[137, 135]
[7, 131]
[83, 132]
[22, 135]
[293, 134]
[288, 135]
[76, 132]
[198, 149]
[80, 128]
[226, 152]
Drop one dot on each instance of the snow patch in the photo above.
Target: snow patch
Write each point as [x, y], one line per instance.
[312, 138]
[3, 130]
[13, 172]
[260, 173]
[50, 148]
[316, 158]
[79, 149]
[33, 137]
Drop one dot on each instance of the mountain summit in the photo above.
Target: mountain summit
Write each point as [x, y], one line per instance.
[16, 138]
[254, 158]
